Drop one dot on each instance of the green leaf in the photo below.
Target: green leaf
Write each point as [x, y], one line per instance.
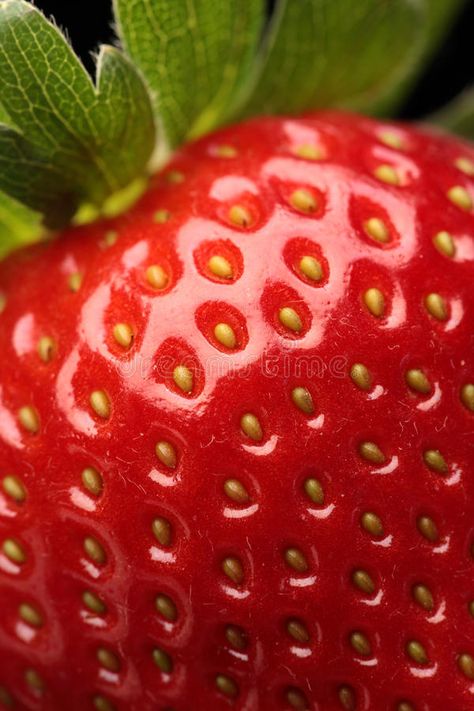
[194, 55]
[321, 53]
[458, 116]
[68, 142]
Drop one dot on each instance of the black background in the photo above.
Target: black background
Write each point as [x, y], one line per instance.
[88, 23]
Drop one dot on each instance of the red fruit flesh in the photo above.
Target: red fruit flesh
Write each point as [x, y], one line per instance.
[317, 555]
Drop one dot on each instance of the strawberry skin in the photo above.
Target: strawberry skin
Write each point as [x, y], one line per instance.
[237, 434]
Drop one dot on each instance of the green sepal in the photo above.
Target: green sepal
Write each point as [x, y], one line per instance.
[195, 56]
[68, 142]
[346, 54]
[19, 226]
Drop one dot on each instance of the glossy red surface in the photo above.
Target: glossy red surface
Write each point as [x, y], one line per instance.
[175, 325]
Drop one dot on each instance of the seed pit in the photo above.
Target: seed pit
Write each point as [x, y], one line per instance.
[372, 224]
[286, 311]
[219, 261]
[306, 260]
[178, 368]
[223, 326]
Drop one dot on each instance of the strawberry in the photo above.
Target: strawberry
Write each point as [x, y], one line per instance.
[236, 433]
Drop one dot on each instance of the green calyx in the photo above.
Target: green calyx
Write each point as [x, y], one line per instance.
[72, 150]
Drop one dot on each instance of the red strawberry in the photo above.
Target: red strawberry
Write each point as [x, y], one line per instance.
[237, 430]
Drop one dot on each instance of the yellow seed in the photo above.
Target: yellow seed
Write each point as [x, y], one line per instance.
[308, 151]
[361, 376]
[3, 302]
[460, 197]
[422, 595]
[363, 581]
[405, 706]
[471, 608]
[314, 491]
[166, 607]
[236, 491]
[236, 637]
[233, 569]
[387, 174]
[290, 319]
[6, 698]
[391, 139]
[297, 699]
[298, 631]
[240, 216]
[444, 243]
[163, 661]
[304, 201]
[435, 461]
[375, 301]
[466, 665]
[347, 698]
[371, 452]
[417, 380]
[227, 686]
[225, 334]
[302, 399]
[311, 268]
[110, 238]
[220, 267]
[14, 551]
[166, 453]
[46, 348]
[183, 378]
[108, 659]
[29, 419]
[174, 177]
[226, 151]
[156, 276]
[377, 230]
[161, 216]
[30, 615]
[75, 282]
[467, 396]
[14, 488]
[94, 550]
[123, 334]
[103, 704]
[161, 528]
[417, 652]
[436, 306]
[465, 165]
[360, 644]
[100, 403]
[92, 481]
[34, 680]
[295, 559]
[372, 524]
[94, 603]
[427, 528]
[251, 427]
